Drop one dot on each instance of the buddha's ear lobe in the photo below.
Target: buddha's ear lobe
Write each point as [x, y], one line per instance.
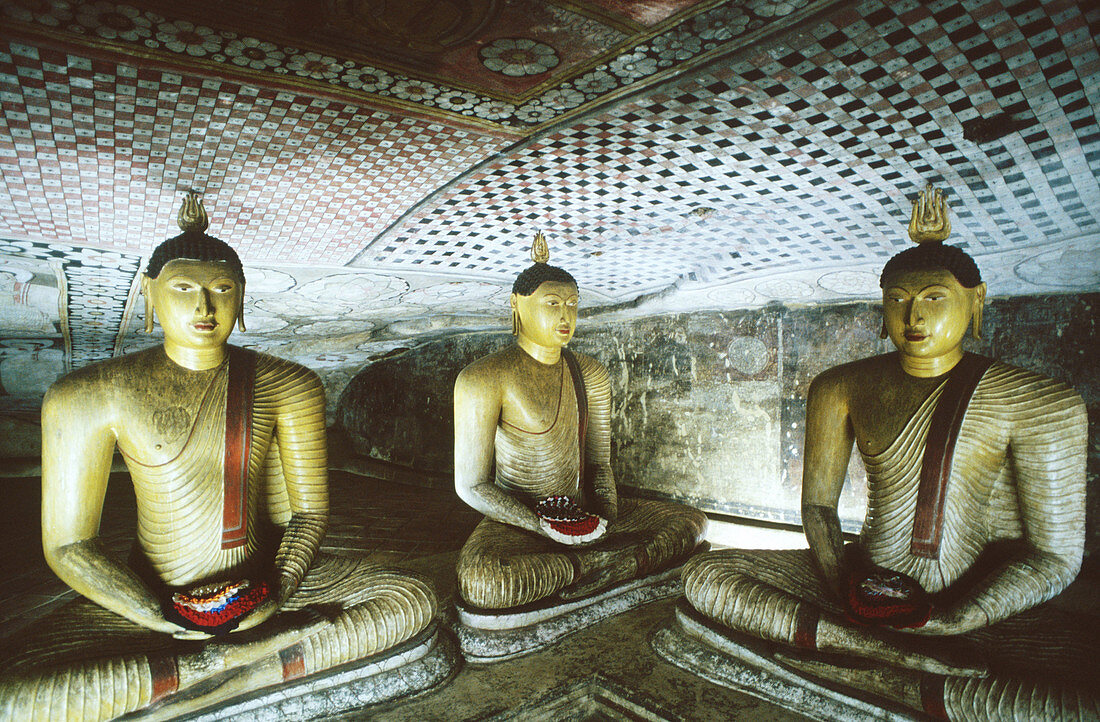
[513, 302]
[240, 312]
[979, 303]
[146, 291]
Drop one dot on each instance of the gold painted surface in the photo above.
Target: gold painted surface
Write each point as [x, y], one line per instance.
[1014, 520]
[517, 442]
[165, 410]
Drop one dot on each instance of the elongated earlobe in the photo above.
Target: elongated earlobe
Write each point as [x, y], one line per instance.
[146, 292]
[979, 304]
[148, 315]
[882, 331]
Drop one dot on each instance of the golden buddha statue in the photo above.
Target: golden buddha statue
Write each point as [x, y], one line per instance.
[226, 450]
[976, 516]
[532, 453]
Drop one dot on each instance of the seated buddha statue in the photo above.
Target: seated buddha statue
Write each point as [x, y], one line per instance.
[532, 453]
[975, 517]
[225, 591]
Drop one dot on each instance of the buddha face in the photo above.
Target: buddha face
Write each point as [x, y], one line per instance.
[196, 302]
[926, 313]
[548, 317]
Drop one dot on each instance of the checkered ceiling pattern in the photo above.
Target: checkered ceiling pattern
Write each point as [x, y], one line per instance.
[95, 152]
[778, 171]
[800, 154]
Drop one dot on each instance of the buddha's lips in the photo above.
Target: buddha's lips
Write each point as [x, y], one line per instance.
[205, 325]
[915, 336]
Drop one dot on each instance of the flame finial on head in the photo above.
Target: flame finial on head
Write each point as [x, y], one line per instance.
[929, 222]
[540, 252]
[192, 216]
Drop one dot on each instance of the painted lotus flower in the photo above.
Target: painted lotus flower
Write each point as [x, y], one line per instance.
[415, 90]
[181, 36]
[633, 65]
[253, 53]
[315, 65]
[370, 80]
[517, 57]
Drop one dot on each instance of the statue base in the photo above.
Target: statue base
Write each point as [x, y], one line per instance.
[493, 636]
[424, 662]
[693, 643]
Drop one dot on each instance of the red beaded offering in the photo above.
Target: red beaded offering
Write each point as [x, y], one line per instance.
[218, 608]
[882, 596]
[565, 517]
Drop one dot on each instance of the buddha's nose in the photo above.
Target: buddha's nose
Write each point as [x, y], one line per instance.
[204, 302]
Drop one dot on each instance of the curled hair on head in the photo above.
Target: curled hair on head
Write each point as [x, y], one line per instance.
[193, 246]
[934, 256]
[537, 274]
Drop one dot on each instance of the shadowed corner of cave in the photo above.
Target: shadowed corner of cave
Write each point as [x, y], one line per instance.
[724, 179]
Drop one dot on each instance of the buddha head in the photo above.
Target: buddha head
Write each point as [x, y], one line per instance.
[544, 300]
[194, 283]
[932, 292]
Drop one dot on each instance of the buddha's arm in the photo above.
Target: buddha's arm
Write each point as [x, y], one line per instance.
[77, 446]
[303, 452]
[1047, 451]
[829, 439]
[597, 450]
[477, 410]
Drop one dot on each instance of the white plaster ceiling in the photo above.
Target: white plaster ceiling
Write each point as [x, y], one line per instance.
[726, 154]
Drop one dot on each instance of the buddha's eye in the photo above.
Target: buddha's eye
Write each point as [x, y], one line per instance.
[182, 286]
[223, 288]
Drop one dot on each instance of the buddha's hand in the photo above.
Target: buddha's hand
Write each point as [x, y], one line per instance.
[598, 531]
[564, 521]
[259, 615]
[953, 620]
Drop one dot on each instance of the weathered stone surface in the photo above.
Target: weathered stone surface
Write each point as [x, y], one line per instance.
[488, 637]
[400, 409]
[709, 408]
[694, 645]
[416, 666]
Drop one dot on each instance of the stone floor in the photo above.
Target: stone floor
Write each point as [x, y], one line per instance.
[607, 672]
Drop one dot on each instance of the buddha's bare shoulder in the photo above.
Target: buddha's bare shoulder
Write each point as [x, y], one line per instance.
[864, 372]
[492, 367]
[96, 386]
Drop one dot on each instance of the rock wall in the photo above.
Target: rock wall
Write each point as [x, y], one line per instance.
[709, 408]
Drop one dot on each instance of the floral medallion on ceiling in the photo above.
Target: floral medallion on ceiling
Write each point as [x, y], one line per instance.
[512, 65]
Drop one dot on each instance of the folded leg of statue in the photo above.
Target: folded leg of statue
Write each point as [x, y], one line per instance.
[84, 662]
[743, 605]
[520, 589]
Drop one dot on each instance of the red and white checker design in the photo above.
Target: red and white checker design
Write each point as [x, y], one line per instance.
[802, 156]
[96, 153]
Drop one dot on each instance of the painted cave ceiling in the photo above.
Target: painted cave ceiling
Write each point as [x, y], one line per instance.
[381, 166]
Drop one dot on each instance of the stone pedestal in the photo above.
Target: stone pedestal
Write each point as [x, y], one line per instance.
[747, 665]
[490, 636]
[428, 660]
